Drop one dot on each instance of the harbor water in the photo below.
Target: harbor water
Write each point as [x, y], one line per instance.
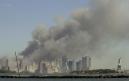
[64, 79]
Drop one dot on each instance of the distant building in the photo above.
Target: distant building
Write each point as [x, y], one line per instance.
[47, 67]
[70, 65]
[43, 68]
[20, 64]
[79, 65]
[86, 63]
[64, 61]
[38, 68]
[13, 65]
[26, 69]
[119, 65]
[5, 64]
[33, 67]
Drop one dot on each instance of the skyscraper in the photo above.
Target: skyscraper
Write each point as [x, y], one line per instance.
[79, 65]
[43, 68]
[7, 64]
[39, 67]
[64, 61]
[119, 65]
[86, 63]
[70, 64]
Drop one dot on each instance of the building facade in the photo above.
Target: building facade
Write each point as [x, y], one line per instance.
[86, 63]
[79, 65]
[70, 64]
[64, 67]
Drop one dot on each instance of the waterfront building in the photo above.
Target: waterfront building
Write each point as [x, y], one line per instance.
[86, 63]
[70, 64]
[64, 61]
[43, 68]
[79, 65]
[4, 64]
[119, 65]
[38, 70]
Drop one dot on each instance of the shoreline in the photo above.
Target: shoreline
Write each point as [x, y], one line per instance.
[66, 76]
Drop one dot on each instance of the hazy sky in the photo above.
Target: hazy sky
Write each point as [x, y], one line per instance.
[18, 18]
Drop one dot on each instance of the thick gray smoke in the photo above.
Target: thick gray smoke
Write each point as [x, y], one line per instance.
[99, 30]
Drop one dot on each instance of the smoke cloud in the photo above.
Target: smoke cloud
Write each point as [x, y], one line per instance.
[100, 30]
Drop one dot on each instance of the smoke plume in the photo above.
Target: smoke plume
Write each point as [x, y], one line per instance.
[99, 30]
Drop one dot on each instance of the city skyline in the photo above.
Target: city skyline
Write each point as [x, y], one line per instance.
[61, 65]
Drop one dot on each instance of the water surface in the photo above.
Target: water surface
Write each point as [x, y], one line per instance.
[63, 79]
